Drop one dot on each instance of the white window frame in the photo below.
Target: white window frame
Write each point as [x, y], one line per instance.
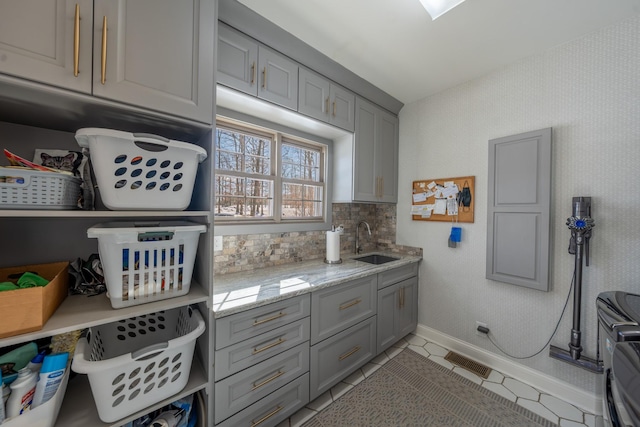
[238, 225]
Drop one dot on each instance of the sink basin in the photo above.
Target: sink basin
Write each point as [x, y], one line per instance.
[376, 259]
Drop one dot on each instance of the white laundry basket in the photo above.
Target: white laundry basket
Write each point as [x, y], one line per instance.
[145, 262]
[141, 171]
[137, 362]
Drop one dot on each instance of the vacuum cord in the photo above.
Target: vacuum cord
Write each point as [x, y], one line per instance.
[552, 334]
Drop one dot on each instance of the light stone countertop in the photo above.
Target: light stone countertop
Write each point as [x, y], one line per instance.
[236, 292]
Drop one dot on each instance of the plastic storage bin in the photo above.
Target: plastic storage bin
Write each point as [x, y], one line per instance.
[145, 262]
[44, 415]
[137, 362]
[30, 189]
[141, 171]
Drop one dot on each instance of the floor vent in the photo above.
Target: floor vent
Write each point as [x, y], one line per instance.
[468, 364]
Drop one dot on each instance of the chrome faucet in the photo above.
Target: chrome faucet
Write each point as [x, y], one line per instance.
[358, 248]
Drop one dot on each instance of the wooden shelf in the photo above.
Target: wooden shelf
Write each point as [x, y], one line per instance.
[79, 408]
[79, 312]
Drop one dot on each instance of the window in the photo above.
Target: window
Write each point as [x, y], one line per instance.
[266, 176]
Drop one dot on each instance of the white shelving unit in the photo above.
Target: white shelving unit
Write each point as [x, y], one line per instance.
[41, 236]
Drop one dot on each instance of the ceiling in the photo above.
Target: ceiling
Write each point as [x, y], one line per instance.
[396, 46]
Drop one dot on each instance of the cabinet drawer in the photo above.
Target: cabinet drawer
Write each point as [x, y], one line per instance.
[338, 356]
[241, 326]
[238, 391]
[336, 308]
[397, 274]
[274, 408]
[249, 352]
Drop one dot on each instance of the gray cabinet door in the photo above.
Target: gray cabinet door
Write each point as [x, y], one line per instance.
[342, 108]
[366, 132]
[321, 99]
[237, 61]
[518, 209]
[335, 309]
[388, 303]
[158, 55]
[41, 41]
[274, 408]
[238, 391]
[340, 355]
[387, 157]
[313, 95]
[397, 312]
[278, 78]
[376, 154]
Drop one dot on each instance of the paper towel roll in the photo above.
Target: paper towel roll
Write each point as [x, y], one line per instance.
[333, 246]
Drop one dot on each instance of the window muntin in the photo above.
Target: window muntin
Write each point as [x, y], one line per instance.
[264, 176]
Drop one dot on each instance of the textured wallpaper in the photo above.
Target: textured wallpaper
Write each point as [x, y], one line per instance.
[588, 91]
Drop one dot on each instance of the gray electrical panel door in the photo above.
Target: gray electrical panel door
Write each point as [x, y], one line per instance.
[518, 206]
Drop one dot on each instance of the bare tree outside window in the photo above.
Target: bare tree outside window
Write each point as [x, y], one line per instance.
[249, 180]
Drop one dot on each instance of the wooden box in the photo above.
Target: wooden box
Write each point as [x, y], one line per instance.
[27, 310]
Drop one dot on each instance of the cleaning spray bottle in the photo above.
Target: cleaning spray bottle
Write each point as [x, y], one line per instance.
[22, 390]
[51, 375]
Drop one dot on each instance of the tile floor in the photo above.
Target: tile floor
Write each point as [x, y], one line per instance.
[549, 407]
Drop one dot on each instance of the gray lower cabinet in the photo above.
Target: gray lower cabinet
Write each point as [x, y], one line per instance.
[249, 67]
[397, 308]
[274, 408]
[238, 391]
[272, 360]
[262, 363]
[338, 307]
[338, 356]
[397, 305]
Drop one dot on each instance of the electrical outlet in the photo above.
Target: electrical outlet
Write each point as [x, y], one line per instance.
[483, 325]
[217, 243]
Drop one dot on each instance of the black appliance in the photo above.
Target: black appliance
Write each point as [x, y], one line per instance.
[619, 341]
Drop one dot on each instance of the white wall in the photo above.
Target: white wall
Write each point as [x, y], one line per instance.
[588, 91]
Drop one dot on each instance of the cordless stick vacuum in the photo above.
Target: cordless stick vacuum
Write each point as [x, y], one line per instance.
[580, 224]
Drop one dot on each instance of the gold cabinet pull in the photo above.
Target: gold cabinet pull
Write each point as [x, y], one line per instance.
[350, 353]
[267, 381]
[334, 108]
[268, 346]
[253, 73]
[269, 319]
[264, 77]
[103, 71]
[76, 41]
[326, 105]
[401, 297]
[266, 417]
[350, 304]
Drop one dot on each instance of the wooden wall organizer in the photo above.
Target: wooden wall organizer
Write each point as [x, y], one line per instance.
[465, 214]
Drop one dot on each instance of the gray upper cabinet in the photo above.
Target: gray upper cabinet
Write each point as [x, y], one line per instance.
[323, 100]
[161, 60]
[247, 66]
[375, 154]
[48, 42]
[237, 61]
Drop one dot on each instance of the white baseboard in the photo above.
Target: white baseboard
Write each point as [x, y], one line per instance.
[587, 402]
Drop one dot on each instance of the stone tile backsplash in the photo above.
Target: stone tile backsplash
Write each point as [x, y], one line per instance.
[250, 251]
